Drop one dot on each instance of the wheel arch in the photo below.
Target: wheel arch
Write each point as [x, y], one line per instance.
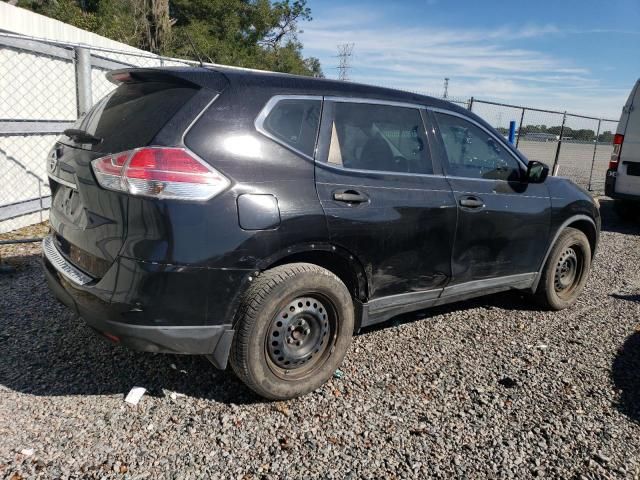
[585, 224]
[337, 260]
[588, 227]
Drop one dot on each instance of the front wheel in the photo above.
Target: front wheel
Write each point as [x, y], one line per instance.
[293, 330]
[566, 270]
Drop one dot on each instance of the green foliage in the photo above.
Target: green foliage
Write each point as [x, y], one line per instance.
[67, 11]
[606, 137]
[247, 33]
[583, 134]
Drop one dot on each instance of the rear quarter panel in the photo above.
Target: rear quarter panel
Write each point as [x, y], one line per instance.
[225, 136]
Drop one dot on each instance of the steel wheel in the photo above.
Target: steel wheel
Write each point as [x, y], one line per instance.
[293, 330]
[301, 336]
[568, 271]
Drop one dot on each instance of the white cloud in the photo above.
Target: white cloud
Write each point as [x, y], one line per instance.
[479, 62]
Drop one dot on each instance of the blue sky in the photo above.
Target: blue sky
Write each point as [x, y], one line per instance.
[580, 56]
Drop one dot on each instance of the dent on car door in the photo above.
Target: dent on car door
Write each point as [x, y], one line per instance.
[383, 203]
[503, 222]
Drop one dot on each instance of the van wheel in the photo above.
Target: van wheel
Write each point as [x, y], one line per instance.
[293, 329]
[565, 271]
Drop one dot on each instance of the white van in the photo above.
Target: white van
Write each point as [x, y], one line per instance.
[623, 176]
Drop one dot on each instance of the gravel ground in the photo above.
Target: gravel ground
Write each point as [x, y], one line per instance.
[487, 388]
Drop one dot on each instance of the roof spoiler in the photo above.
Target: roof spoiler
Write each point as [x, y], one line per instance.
[189, 77]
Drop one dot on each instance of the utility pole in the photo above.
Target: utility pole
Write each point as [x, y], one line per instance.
[345, 51]
[446, 88]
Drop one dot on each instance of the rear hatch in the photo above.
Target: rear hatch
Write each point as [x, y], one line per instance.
[89, 222]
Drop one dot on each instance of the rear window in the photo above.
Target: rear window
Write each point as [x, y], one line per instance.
[133, 114]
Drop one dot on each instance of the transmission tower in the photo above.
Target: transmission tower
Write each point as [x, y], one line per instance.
[345, 51]
[446, 88]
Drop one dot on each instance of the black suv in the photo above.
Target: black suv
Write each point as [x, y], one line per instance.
[263, 218]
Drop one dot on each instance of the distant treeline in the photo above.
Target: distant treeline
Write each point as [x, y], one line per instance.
[581, 134]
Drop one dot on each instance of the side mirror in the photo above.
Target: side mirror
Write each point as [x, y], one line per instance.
[537, 172]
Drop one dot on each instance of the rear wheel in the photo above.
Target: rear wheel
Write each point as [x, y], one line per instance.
[293, 330]
[566, 270]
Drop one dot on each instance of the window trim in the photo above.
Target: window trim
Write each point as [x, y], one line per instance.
[373, 101]
[507, 147]
[198, 117]
[268, 107]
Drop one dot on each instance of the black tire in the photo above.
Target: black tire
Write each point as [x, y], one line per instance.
[293, 329]
[566, 270]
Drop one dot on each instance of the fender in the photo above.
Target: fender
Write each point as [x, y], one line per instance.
[564, 225]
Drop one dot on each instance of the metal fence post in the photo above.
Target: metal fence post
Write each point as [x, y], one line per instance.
[520, 127]
[40, 198]
[595, 148]
[555, 161]
[83, 79]
[471, 104]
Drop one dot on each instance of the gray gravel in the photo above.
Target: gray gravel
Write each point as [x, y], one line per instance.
[488, 388]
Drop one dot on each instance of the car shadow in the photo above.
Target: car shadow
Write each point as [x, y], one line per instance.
[48, 351]
[634, 297]
[625, 375]
[613, 222]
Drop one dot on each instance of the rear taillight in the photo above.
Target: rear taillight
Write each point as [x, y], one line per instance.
[159, 172]
[617, 147]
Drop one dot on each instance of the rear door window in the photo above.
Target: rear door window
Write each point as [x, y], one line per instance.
[377, 137]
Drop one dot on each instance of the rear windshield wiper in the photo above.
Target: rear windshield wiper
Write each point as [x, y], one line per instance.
[80, 136]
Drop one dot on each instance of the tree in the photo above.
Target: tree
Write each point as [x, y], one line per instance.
[247, 33]
[153, 15]
[605, 137]
[585, 134]
[566, 132]
[67, 11]
[244, 33]
[534, 129]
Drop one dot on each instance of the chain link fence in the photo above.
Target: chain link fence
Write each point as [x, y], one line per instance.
[37, 101]
[575, 146]
[45, 86]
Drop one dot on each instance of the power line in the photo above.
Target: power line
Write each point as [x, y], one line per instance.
[345, 51]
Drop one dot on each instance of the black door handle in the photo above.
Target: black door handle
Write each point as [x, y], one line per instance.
[471, 202]
[349, 196]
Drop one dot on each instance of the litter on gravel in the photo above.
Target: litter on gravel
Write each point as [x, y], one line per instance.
[134, 395]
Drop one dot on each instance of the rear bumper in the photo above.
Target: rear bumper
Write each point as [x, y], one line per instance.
[155, 308]
[610, 188]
